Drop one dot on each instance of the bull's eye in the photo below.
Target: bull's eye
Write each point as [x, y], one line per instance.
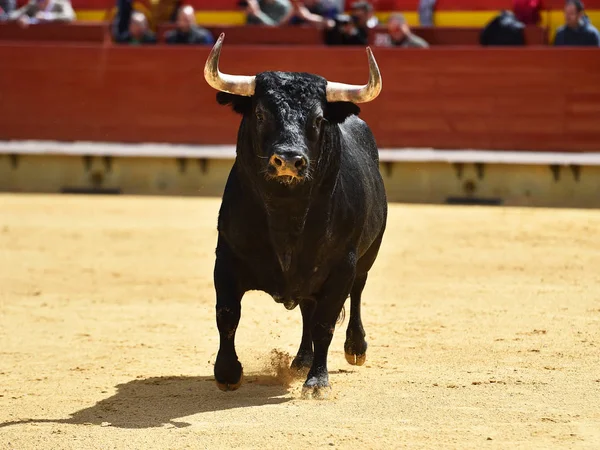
[260, 116]
[318, 121]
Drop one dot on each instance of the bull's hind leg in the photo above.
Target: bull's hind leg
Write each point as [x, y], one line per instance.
[228, 370]
[304, 358]
[355, 347]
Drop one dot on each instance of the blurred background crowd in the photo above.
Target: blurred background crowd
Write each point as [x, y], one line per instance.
[340, 22]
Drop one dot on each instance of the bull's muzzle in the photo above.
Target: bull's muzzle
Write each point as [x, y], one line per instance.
[289, 167]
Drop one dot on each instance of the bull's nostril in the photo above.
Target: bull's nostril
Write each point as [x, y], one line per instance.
[277, 161]
[300, 163]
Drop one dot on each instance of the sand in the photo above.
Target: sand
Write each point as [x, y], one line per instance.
[483, 327]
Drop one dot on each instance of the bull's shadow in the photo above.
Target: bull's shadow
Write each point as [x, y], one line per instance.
[154, 402]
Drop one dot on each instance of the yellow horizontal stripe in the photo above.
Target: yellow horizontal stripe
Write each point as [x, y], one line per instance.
[203, 17]
[90, 15]
[221, 17]
[552, 19]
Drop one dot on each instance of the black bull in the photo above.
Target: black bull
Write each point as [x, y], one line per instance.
[303, 212]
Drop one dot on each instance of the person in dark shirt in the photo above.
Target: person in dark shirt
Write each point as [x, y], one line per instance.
[187, 32]
[577, 29]
[138, 32]
[346, 32]
[364, 15]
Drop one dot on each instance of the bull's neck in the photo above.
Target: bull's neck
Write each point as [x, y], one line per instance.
[287, 215]
[286, 218]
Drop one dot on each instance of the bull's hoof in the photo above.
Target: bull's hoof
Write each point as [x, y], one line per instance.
[356, 360]
[229, 386]
[317, 388]
[302, 362]
[228, 373]
[355, 348]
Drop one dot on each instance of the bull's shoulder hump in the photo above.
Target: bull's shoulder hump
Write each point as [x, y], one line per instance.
[356, 128]
[357, 135]
[354, 123]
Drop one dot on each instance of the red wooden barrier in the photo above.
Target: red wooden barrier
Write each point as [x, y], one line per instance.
[55, 32]
[542, 98]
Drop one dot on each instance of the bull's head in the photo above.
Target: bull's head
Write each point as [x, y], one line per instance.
[286, 112]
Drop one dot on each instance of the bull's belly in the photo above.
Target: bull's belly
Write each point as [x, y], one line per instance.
[289, 302]
[297, 289]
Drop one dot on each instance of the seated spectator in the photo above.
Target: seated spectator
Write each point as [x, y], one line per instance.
[503, 30]
[346, 32]
[318, 12]
[6, 8]
[426, 8]
[138, 32]
[187, 31]
[364, 15]
[267, 12]
[577, 29]
[401, 35]
[37, 11]
[528, 12]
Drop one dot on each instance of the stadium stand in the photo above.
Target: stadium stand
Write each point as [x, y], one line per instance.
[448, 13]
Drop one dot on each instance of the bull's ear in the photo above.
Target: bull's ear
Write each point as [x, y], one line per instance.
[337, 112]
[238, 103]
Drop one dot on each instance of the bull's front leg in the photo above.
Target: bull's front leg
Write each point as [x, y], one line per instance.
[304, 359]
[329, 306]
[228, 369]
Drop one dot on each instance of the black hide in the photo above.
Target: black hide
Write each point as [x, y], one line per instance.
[311, 242]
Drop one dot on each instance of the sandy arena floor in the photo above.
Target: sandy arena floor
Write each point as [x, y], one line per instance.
[483, 327]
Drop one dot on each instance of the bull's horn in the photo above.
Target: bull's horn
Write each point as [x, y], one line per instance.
[340, 92]
[233, 84]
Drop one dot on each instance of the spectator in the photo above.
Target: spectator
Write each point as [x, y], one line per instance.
[401, 35]
[364, 15]
[346, 32]
[318, 12]
[138, 32]
[577, 29]
[503, 30]
[426, 8]
[6, 8]
[528, 12]
[267, 12]
[37, 11]
[187, 31]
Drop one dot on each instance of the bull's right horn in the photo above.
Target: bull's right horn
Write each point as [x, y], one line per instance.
[233, 84]
[340, 92]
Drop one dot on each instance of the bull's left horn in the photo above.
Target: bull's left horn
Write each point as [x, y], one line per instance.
[340, 92]
[233, 84]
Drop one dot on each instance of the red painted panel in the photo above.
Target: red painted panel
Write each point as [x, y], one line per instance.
[65, 32]
[442, 98]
